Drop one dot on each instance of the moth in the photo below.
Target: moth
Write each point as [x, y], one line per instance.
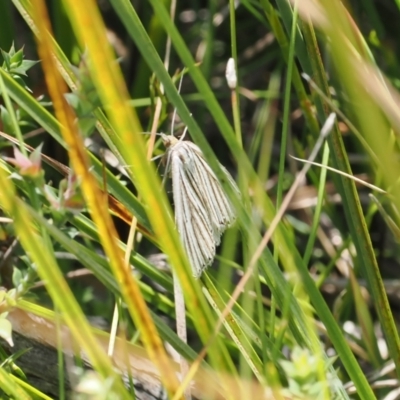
[202, 209]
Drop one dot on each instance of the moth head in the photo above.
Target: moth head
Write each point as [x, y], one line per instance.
[168, 140]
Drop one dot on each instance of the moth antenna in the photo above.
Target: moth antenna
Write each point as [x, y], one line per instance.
[156, 157]
[183, 134]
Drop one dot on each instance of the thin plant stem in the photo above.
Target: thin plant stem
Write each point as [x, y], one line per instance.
[128, 250]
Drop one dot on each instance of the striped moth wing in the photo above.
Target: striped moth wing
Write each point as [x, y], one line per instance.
[202, 209]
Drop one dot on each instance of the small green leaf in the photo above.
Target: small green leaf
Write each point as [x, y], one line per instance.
[5, 118]
[17, 277]
[6, 331]
[17, 58]
[6, 58]
[25, 66]
[87, 126]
